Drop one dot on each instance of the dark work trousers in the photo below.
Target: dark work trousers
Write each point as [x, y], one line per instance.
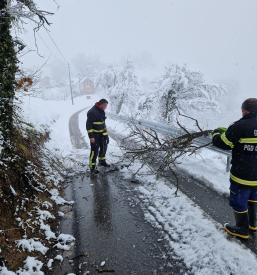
[241, 196]
[98, 150]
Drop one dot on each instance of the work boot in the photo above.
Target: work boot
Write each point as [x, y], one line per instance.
[252, 211]
[104, 163]
[241, 229]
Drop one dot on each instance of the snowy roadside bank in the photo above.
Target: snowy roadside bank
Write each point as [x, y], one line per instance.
[199, 241]
[55, 115]
[42, 239]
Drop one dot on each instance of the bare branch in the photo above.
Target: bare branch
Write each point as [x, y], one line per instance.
[27, 9]
[162, 153]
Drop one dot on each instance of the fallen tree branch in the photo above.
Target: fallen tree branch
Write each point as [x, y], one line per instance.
[162, 153]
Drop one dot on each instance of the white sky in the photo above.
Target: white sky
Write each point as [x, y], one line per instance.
[217, 37]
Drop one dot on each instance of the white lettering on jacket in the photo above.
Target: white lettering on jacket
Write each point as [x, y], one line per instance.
[250, 148]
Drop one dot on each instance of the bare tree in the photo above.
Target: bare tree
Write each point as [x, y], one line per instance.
[162, 153]
[20, 10]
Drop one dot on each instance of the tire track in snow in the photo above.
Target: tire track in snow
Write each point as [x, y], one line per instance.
[77, 139]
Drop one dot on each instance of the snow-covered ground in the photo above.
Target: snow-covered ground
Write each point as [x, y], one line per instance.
[53, 115]
[206, 165]
[195, 238]
[209, 167]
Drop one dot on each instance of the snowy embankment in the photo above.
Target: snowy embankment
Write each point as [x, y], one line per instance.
[196, 239]
[54, 116]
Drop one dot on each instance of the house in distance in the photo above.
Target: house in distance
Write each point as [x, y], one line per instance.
[87, 87]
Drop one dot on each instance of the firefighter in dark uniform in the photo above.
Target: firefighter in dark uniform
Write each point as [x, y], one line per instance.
[241, 138]
[98, 135]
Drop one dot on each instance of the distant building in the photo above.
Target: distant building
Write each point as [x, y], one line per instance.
[87, 87]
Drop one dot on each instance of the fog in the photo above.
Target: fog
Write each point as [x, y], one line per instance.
[218, 37]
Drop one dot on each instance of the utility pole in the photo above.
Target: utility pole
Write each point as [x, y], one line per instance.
[71, 92]
[79, 84]
[65, 60]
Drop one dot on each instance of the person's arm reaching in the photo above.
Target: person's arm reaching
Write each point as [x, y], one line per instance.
[226, 139]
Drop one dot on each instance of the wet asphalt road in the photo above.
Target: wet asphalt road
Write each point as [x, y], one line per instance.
[109, 227]
[214, 205]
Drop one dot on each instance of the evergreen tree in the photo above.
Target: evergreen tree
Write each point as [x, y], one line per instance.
[12, 11]
[8, 69]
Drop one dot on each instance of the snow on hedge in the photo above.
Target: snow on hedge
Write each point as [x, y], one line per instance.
[31, 245]
[65, 241]
[31, 266]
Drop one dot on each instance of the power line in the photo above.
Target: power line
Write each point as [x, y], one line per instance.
[65, 60]
[56, 46]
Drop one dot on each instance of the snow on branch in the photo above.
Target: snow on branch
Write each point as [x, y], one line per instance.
[26, 9]
[162, 153]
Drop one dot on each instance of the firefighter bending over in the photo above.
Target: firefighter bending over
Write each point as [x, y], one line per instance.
[98, 135]
[241, 138]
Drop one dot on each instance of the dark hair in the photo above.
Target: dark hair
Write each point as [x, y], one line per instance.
[103, 101]
[250, 105]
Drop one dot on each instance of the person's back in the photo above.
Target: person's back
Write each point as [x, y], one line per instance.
[97, 134]
[241, 137]
[96, 113]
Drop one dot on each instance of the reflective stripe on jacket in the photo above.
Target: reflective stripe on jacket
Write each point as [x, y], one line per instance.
[96, 122]
[241, 138]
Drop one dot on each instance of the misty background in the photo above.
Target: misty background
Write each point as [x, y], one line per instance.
[217, 38]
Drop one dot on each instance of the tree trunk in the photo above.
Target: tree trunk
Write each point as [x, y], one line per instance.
[8, 69]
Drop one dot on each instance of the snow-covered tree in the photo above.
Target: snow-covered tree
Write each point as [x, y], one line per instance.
[187, 90]
[124, 90]
[107, 78]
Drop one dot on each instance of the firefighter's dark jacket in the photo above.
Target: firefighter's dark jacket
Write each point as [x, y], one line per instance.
[96, 122]
[241, 137]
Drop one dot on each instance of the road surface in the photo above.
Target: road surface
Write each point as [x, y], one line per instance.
[109, 228]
